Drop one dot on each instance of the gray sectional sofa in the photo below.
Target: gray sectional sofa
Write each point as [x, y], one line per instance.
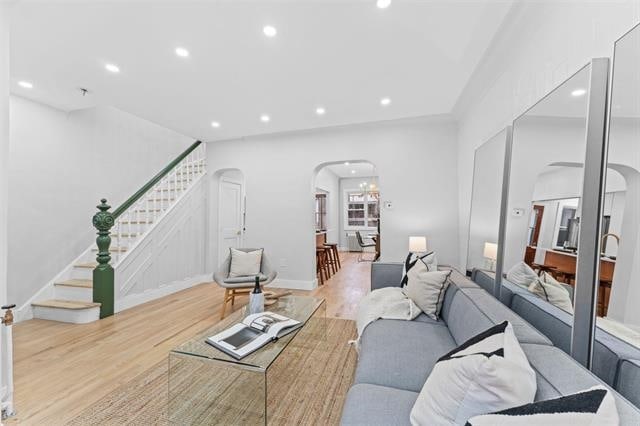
[615, 361]
[396, 357]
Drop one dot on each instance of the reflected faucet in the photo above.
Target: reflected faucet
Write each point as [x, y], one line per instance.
[610, 234]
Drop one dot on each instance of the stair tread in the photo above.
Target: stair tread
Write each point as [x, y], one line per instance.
[113, 249]
[86, 265]
[77, 282]
[65, 304]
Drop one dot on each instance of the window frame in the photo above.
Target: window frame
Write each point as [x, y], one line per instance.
[366, 201]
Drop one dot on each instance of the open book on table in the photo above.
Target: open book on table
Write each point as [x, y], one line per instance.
[252, 333]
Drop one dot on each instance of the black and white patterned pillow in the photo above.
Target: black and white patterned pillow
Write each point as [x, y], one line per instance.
[594, 406]
[487, 373]
[429, 259]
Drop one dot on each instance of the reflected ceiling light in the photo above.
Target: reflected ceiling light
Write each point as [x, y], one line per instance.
[320, 111]
[182, 52]
[383, 4]
[25, 84]
[353, 172]
[269, 31]
[112, 68]
[385, 101]
[265, 118]
[578, 92]
[215, 124]
[346, 163]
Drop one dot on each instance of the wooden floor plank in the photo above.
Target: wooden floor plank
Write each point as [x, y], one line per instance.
[61, 369]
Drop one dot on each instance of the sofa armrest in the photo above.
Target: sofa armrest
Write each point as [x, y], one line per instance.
[387, 274]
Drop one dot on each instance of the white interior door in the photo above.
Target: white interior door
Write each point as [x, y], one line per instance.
[230, 217]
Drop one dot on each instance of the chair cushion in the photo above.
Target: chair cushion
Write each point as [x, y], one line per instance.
[246, 279]
[372, 405]
[245, 263]
[401, 354]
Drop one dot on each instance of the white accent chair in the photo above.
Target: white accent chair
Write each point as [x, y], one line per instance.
[234, 286]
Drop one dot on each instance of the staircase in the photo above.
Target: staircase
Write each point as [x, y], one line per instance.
[70, 297]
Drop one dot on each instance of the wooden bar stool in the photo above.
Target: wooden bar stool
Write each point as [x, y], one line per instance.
[334, 254]
[321, 256]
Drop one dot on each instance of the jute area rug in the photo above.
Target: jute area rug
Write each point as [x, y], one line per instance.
[307, 385]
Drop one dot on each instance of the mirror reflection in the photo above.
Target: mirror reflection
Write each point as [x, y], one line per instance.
[484, 219]
[623, 315]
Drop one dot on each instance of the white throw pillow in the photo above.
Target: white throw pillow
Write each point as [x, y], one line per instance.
[522, 274]
[594, 406]
[244, 264]
[427, 288]
[429, 259]
[547, 288]
[489, 372]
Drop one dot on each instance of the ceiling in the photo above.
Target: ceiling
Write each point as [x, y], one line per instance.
[353, 170]
[342, 55]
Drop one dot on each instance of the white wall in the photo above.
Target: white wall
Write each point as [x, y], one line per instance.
[540, 45]
[329, 182]
[416, 164]
[61, 164]
[4, 145]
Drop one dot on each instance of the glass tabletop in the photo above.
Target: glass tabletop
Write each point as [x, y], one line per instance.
[300, 308]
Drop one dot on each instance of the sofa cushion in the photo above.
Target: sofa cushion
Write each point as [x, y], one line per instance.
[558, 374]
[372, 405]
[473, 310]
[556, 325]
[628, 382]
[401, 354]
[485, 279]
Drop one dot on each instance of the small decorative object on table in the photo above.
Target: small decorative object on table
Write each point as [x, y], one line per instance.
[256, 299]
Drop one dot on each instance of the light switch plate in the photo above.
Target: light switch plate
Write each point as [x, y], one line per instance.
[518, 212]
[388, 205]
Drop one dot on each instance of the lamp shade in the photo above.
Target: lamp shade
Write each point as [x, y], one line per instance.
[417, 244]
[491, 251]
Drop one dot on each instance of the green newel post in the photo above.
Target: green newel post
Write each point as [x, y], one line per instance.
[103, 278]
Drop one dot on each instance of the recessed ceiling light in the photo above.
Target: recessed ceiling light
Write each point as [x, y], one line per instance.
[215, 124]
[578, 92]
[385, 101]
[320, 111]
[25, 84]
[112, 68]
[346, 163]
[383, 4]
[265, 118]
[182, 52]
[353, 172]
[269, 31]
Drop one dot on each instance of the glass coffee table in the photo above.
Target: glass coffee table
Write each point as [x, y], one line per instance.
[207, 386]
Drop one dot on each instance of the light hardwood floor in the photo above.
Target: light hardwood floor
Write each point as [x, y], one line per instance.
[60, 369]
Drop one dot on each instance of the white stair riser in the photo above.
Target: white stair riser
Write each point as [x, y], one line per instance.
[75, 316]
[82, 273]
[81, 294]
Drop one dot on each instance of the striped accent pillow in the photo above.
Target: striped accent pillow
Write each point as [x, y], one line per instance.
[487, 373]
[594, 406]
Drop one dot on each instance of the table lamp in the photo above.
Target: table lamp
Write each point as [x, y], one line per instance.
[417, 244]
[491, 254]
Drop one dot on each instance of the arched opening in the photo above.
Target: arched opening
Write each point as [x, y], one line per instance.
[346, 218]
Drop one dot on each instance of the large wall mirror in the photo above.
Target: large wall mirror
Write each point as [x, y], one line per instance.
[621, 290]
[484, 218]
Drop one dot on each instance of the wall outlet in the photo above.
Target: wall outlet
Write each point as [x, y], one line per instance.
[517, 212]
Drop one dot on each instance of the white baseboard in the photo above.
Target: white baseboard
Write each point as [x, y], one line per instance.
[294, 284]
[156, 293]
